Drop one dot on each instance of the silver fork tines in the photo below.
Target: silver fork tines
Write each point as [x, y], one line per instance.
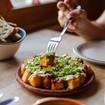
[54, 42]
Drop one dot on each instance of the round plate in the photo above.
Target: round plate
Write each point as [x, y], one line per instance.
[48, 92]
[91, 51]
[57, 101]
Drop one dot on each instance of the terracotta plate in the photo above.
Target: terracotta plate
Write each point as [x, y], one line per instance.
[47, 92]
[57, 101]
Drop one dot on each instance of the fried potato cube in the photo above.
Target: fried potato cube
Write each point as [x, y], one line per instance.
[73, 83]
[57, 84]
[22, 69]
[43, 61]
[47, 59]
[47, 82]
[35, 80]
[26, 75]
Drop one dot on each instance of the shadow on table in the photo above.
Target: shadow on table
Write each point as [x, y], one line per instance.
[100, 66]
[91, 91]
[11, 62]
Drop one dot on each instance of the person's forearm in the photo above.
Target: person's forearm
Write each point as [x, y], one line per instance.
[90, 30]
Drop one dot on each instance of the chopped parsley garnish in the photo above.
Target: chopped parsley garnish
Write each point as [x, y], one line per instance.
[65, 65]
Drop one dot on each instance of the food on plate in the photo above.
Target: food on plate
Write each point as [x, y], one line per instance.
[47, 81]
[8, 31]
[57, 84]
[35, 80]
[48, 71]
[47, 59]
[26, 75]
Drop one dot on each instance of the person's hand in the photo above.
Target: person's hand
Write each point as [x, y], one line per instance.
[66, 10]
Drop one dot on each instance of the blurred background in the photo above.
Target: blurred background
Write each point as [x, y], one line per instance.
[37, 14]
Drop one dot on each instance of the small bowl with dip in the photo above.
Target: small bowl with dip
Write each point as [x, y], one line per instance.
[58, 101]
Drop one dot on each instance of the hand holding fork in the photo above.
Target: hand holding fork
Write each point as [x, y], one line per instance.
[54, 42]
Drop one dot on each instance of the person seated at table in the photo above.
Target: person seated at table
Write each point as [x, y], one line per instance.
[80, 24]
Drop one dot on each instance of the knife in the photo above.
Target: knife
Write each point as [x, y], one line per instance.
[10, 101]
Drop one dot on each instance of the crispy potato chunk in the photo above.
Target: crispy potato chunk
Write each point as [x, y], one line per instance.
[57, 84]
[76, 81]
[47, 82]
[73, 83]
[26, 75]
[22, 69]
[35, 80]
[47, 59]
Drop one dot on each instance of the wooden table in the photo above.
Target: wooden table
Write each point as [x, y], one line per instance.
[34, 44]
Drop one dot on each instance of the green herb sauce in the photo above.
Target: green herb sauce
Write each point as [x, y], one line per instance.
[65, 65]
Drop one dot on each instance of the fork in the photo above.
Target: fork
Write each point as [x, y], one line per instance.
[54, 42]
